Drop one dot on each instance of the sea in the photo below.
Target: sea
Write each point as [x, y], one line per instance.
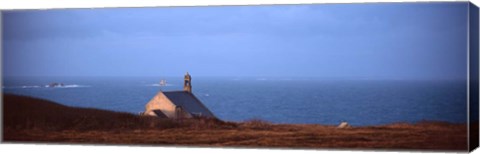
[276, 100]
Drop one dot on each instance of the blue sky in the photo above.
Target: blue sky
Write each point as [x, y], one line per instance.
[368, 41]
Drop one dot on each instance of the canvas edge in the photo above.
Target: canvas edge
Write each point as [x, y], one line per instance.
[473, 76]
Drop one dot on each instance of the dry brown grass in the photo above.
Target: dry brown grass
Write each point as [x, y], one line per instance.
[33, 120]
[26, 113]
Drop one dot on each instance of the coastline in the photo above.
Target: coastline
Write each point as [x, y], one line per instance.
[31, 120]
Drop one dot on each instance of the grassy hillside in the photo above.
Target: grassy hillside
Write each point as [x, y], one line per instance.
[22, 112]
[34, 120]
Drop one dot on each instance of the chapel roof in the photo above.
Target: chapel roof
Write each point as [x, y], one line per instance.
[188, 102]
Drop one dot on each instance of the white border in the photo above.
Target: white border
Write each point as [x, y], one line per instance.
[55, 4]
[59, 4]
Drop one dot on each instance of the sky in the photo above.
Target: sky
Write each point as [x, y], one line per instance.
[425, 41]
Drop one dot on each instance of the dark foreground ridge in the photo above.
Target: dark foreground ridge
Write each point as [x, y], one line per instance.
[27, 119]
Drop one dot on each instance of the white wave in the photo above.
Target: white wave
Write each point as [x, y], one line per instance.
[46, 86]
[261, 79]
[158, 85]
[72, 86]
[30, 87]
[22, 87]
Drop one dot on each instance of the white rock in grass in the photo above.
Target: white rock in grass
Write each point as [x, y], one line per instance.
[344, 125]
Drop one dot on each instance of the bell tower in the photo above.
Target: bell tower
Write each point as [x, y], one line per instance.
[187, 85]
